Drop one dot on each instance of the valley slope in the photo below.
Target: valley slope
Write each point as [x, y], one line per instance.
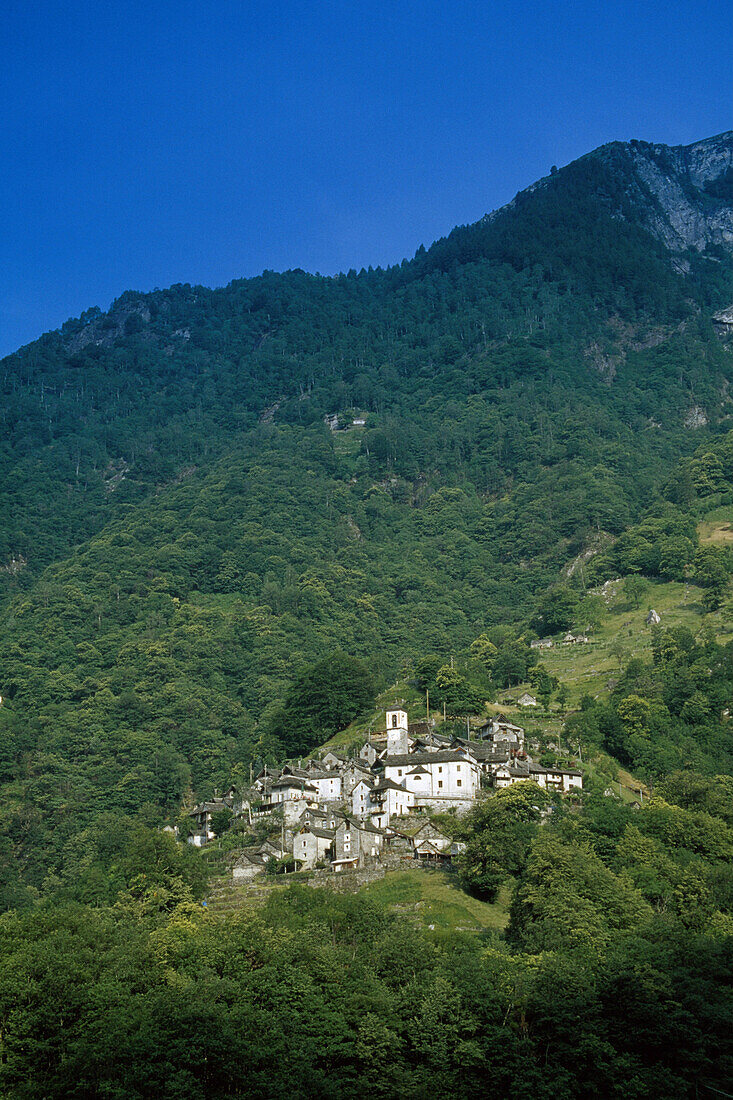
[183, 535]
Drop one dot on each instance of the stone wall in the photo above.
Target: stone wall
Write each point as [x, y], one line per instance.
[346, 882]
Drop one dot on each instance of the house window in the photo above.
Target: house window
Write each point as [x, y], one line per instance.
[347, 847]
[458, 782]
[458, 767]
[440, 769]
[399, 771]
[347, 836]
[440, 782]
[394, 719]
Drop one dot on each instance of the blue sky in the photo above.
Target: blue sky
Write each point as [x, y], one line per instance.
[152, 143]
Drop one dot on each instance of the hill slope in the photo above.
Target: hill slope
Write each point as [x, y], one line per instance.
[184, 535]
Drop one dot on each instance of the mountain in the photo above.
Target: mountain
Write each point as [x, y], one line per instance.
[185, 536]
[680, 194]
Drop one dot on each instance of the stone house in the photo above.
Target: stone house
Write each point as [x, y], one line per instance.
[550, 779]
[498, 730]
[291, 788]
[362, 802]
[353, 773]
[327, 785]
[250, 862]
[356, 844]
[334, 760]
[368, 753]
[556, 779]
[312, 845]
[429, 841]
[201, 816]
[390, 800]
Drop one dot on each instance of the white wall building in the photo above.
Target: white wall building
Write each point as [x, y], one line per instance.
[362, 803]
[291, 788]
[390, 800]
[328, 785]
[435, 778]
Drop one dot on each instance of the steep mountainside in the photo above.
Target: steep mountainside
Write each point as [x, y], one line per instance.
[183, 534]
[680, 194]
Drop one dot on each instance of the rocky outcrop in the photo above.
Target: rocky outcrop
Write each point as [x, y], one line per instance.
[696, 418]
[691, 188]
[101, 330]
[723, 320]
[682, 194]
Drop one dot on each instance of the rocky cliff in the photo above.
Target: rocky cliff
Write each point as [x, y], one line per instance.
[682, 194]
[691, 192]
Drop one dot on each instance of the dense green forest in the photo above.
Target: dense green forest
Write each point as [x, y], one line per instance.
[613, 978]
[198, 575]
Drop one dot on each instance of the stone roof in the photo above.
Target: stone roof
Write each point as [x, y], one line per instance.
[444, 756]
[325, 834]
[537, 769]
[486, 753]
[251, 855]
[388, 785]
[209, 807]
[293, 781]
[428, 825]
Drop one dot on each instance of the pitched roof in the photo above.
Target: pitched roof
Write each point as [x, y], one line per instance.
[293, 781]
[435, 831]
[326, 834]
[251, 855]
[537, 769]
[316, 773]
[483, 751]
[209, 807]
[428, 846]
[388, 785]
[443, 756]
[418, 729]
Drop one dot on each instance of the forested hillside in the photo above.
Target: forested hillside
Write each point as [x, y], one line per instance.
[198, 575]
[184, 536]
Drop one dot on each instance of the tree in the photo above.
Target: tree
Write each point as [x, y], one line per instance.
[635, 588]
[712, 571]
[221, 820]
[484, 651]
[566, 899]
[499, 831]
[555, 610]
[590, 612]
[323, 699]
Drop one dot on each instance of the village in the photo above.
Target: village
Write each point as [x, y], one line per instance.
[345, 812]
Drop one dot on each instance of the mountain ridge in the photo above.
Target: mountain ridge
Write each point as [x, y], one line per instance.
[700, 163]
